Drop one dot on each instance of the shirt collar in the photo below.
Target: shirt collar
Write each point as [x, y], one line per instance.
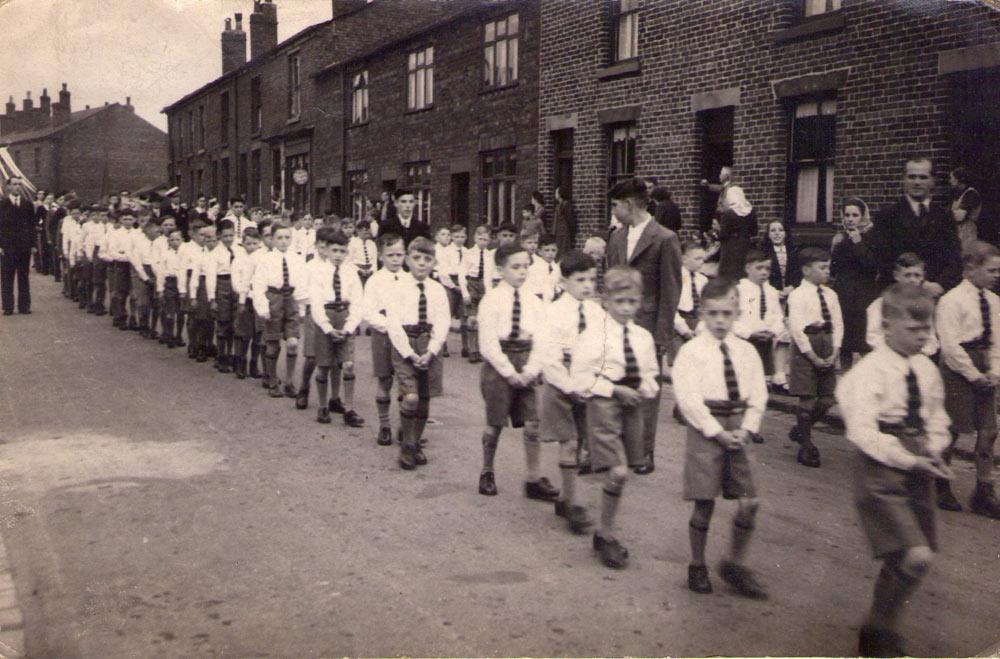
[915, 205]
[638, 228]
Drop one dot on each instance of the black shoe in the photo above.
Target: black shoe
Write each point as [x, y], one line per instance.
[945, 498]
[384, 437]
[756, 438]
[224, 367]
[645, 469]
[984, 501]
[8, 312]
[613, 555]
[353, 420]
[133, 326]
[336, 407]
[254, 371]
[323, 415]
[100, 312]
[875, 642]
[578, 520]
[152, 334]
[289, 390]
[742, 580]
[240, 370]
[487, 484]
[584, 469]
[779, 389]
[698, 580]
[406, 460]
[541, 490]
[474, 358]
[795, 435]
[275, 392]
[418, 457]
[302, 400]
[465, 353]
[561, 508]
[808, 455]
[202, 358]
[123, 327]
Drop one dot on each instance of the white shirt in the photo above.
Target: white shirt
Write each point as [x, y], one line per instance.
[781, 253]
[699, 375]
[70, 231]
[875, 336]
[686, 301]
[875, 390]
[378, 296]
[321, 292]
[240, 224]
[599, 359]
[959, 319]
[102, 243]
[495, 324]
[543, 277]
[198, 262]
[90, 232]
[804, 310]
[634, 232]
[171, 265]
[190, 252]
[470, 267]
[749, 320]
[362, 252]
[160, 248]
[220, 262]
[304, 241]
[449, 260]
[242, 274]
[402, 308]
[141, 255]
[119, 244]
[269, 274]
[559, 333]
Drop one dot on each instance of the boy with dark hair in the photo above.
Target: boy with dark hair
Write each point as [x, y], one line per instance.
[817, 330]
[892, 403]
[719, 383]
[458, 239]
[692, 282]
[378, 297]
[101, 266]
[143, 276]
[119, 248]
[314, 266]
[362, 251]
[615, 368]
[417, 323]
[221, 295]
[474, 276]
[202, 307]
[190, 253]
[510, 319]
[760, 320]
[547, 272]
[170, 288]
[448, 260]
[244, 324]
[908, 269]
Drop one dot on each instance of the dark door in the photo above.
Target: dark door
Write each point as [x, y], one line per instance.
[563, 143]
[716, 127]
[460, 201]
[976, 103]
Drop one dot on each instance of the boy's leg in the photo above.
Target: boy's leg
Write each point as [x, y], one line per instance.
[900, 575]
[272, 348]
[407, 430]
[701, 517]
[308, 367]
[984, 499]
[256, 346]
[731, 568]
[336, 405]
[613, 554]
[322, 379]
[808, 454]
[383, 399]
[491, 438]
[351, 418]
[291, 355]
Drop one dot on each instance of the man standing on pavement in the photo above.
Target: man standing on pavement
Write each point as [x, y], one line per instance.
[17, 239]
[655, 252]
[916, 224]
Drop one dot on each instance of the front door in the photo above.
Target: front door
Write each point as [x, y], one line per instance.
[976, 112]
[716, 152]
[460, 200]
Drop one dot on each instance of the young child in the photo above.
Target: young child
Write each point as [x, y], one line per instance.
[417, 323]
[244, 330]
[549, 275]
[314, 268]
[563, 414]
[101, 261]
[137, 238]
[160, 245]
[337, 306]
[202, 307]
[170, 288]
[476, 271]
[908, 269]
[143, 277]
[615, 368]
[87, 241]
[506, 234]
[279, 293]
[362, 251]
[119, 248]
[190, 255]
[692, 281]
[892, 403]
[510, 319]
[69, 231]
[459, 235]
[538, 282]
[760, 320]
[719, 382]
[378, 297]
[449, 263]
[817, 329]
[219, 282]
[967, 323]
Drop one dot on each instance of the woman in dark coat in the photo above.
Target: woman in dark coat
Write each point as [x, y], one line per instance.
[854, 268]
[666, 213]
[737, 229]
[564, 227]
[786, 274]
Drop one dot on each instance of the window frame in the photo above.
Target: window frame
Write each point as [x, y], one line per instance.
[824, 163]
[417, 177]
[510, 42]
[629, 152]
[294, 86]
[499, 186]
[357, 186]
[359, 98]
[256, 105]
[830, 7]
[624, 10]
[420, 79]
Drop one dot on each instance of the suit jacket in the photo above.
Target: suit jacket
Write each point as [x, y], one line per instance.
[657, 257]
[668, 215]
[17, 224]
[417, 228]
[934, 239]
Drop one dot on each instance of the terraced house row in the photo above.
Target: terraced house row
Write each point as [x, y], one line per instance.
[477, 103]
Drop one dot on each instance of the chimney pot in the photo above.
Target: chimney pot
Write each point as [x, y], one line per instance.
[87, 107]
[263, 28]
[28, 94]
[239, 22]
[229, 25]
[128, 100]
[64, 86]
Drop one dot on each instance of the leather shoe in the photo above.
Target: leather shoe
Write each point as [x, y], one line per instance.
[945, 498]
[406, 460]
[323, 415]
[302, 400]
[487, 484]
[418, 457]
[336, 407]
[384, 437]
[698, 580]
[541, 490]
[7, 312]
[647, 468]
[290, 391]
[353, 420]
[756, 438]
[474, 358]
[612, 553]
[742, 580]
[578, 520]
[275, 392]
[984, 501]
[808, 455]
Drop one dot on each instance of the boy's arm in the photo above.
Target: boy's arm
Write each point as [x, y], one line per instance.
[373, 307]
[317, 298]
[536, 358]
[551, 357]
[859, 393]
[838, 322]
[585, 369]
[489, 337]
[757, 395]
[797, 322]
[995, 344]
[949, 316]
[938, 421]
[356, 296]
[649, 367]
[873, 324]
[397, 335]
[211, 275]
[687, 377]
[258, 290]
[462, 269]
[775, 317]
[440, 317]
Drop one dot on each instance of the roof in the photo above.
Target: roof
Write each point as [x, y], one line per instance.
[74, 118]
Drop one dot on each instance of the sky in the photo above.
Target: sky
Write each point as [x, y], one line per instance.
[155, 51]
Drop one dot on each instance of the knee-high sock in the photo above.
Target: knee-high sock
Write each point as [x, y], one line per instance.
[322, 382]
[740, 540]
[335, 374]
[491, 438]
[610, 498]
[349, 390]
[290, 358]
[308, 368]
[532, 458]
[465, 335]
[892, 591]
[984, 457]
[383, 401]
[568, 472]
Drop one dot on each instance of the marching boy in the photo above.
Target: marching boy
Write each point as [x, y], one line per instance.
[448, 258]
[692, 282]
[244, 330]
[459, 234]
[817, 331]
[761, 319]
[190, 254]
[143, 276]
[202, 307]
[719, 383]
[476, 271]
[119, 248]
[219, 280]
[967, 325]
[314, 266]
[171, 281]
[563, 413]
[907, 269]
[615, 368]
[378, 297]
[362, 250]
[101, 266]
[510, 318]
[337, 302]
[893, 407]
[417, 324]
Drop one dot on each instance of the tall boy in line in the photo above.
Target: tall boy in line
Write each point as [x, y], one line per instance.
[719, 382]
[143, 276]
[362, 251]
[171, 281]
[448, 258]
[893, 407]
[219, 281]
[761, 320]
[244, 325]
[615, 368]
[418, 324]
[190, 254]
[692, 283]
[119, 248]
[314, 266]
[101, 262]
[459, 235]
[160, 245]
[510, 318]
[476, 271]
[202, 307]
[817, 331]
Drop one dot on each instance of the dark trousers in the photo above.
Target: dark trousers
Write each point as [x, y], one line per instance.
[14, 264]
[55, 256]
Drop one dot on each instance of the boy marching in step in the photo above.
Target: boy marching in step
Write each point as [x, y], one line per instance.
[190, 255]
[908, 269]
[893, 407]
[719, 382]
[449, 263]
[458, 239]
[321, 254]
[143, 277]
[362, 251]
[119, 248]
[221, 294]
[171, 283]
[761, 320]
[692, 282]
[202, 306]
[615, 368]
[160, 245]
[245, 333]
[475, 274]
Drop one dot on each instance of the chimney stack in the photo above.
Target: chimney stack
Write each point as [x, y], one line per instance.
[263, 28]
[8, 122]
[11, 107]
[342, 7]
[61, 110]
[64, 98]
[234, 46]
[46, 103]
[28, 104]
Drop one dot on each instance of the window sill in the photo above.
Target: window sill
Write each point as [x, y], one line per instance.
[495, 89]
[358, 125]
[618, 69]
[810, 27]
[255, 133]
[419, 110]
[293, 120]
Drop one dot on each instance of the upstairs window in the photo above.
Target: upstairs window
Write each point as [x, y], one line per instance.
[811, 161]
[420, 79]
[255, 105]
[817, 7]
[294, 86]
[501, 46]
[359, 98]
[624, 30]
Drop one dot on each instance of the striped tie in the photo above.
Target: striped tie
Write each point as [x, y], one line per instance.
[515, 317]
[421, 305]
[913, 402]
[582, 325]
[824, 310]
[732, 384]
[695, 299]
[763, 302]
[367, 262]
[231, 255]
[631, 364]
[284, 272]
[336, 283]
[984, 310]
[482, 262]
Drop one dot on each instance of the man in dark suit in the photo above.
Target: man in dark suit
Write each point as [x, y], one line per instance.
[655, 252]
[916, 224]
[17, 239]
[404, 224]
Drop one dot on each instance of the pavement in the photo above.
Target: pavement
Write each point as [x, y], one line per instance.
[151, 506]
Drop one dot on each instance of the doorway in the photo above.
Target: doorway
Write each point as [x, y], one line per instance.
[976, 143]
[716, 129]
[460, 201]
[562, 141]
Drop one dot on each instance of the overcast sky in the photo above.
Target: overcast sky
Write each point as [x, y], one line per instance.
[152, 50]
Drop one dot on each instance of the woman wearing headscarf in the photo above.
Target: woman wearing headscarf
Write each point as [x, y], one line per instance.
[737, 228]
[854, 268]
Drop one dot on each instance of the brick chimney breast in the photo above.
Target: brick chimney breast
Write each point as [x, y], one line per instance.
[263, 28]
[234, 45]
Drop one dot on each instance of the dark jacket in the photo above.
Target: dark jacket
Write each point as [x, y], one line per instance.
[668, 215]
[417, 228]
[933, 238]
[564, 228]
[17, 224]
[793, 270]
[736, 236]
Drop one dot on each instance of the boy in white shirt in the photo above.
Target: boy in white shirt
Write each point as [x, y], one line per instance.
[474, 276]
[221, 294]
[449, 263]
[202, 308]
[459, 235]
[190, 253]
[692, 281]
[362, 251]
[101, 262]
[244, 326]
[907, 269]
[170, 284]
[378, 297]
[761, 320]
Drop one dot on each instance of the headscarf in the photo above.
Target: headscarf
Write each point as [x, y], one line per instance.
[736, 201]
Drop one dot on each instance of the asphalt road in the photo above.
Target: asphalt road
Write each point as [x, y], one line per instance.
[151, 506]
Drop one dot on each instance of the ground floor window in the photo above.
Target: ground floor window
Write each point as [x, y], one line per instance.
[499, 174]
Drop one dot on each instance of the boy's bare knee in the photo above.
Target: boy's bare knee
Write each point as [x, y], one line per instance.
[917, 561]
[348, 370]
[410, 402]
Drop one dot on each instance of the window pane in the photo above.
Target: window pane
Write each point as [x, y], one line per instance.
[807, 194]
[501, 28]
[512, 206]
[501, 62]
[512, 58]
[413, 61]
[512, 24]
[814, 7]
[419, 102]
[829, 193]
[829, 106]
[420, 58]
[834, 5]
[430, 87]
[430, 55]
[488, 72]
[634, 31]
[809, 109]
[411, 97]
[490, 31]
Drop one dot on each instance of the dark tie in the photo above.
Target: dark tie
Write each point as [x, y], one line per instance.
[582, 325]
[984, 310]
[284, 272]
[631, 364]
[515, 317]
[421, 305]
[824, 310]
[763, 302]
[913, 402]
[231, 255]
[336, 283]
[922, 211]
[695, 300]
[367, 262]
[732, 384]
[482, 262]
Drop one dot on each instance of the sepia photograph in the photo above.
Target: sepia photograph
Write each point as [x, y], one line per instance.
[499, 328]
